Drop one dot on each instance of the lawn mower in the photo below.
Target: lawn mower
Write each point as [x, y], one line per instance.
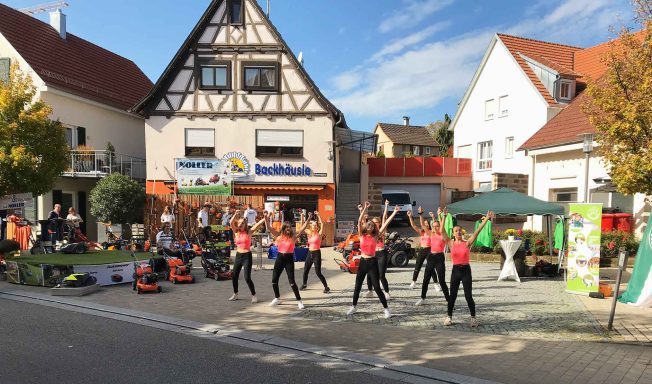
[144, 279]
[352, 242]
[214, 266]
[178, 271]
[351, 261]
[78, 280]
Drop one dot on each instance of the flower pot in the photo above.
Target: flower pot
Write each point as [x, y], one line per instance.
[510, 238]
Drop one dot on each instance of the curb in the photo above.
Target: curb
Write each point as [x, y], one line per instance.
[375, 366]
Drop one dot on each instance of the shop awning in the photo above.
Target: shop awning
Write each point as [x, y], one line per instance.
[272, 187]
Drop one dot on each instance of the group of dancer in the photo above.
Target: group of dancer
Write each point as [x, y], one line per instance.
[434, 240]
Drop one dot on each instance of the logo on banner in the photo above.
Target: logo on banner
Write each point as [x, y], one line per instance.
[240, 165]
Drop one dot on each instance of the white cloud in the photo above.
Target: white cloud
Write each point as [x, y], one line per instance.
[399, 45]
[413, 12]
[398, 81]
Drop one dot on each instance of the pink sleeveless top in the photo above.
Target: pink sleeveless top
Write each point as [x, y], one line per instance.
[242, 240]
[380, 244]
[460, 254]
[437, 243]
[314, 242]
[285, 244]
[425, 240]
[368, 245]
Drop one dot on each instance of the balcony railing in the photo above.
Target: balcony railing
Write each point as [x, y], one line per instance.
[103, 163]
[419, 166]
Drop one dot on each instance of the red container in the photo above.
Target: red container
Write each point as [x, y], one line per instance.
[607, 222]
[624, 222]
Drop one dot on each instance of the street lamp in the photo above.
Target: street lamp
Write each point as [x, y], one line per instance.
[587, 148]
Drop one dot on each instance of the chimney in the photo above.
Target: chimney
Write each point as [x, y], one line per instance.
[58, 22]
[406, 120]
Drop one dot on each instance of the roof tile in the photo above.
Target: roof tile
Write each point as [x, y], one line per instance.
[408, 134]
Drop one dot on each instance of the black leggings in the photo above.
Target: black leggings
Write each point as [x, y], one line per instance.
[314, 257]
[369, 268]
[436, 267]
[243, 260]
[284, 261]
[383, 262]
[461, 273]
[421, 257]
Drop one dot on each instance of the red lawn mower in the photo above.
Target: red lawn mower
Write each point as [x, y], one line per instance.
[145, 280]
[178, 271]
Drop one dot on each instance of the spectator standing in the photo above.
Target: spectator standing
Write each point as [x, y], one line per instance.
[251, 215]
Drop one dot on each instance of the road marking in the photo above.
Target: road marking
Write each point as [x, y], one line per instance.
[323, 356]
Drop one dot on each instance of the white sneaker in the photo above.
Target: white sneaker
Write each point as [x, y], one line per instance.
[387, 296]
[437, 287]
[275, 302]
[413, 284]
[351, 310]
[387, 313]
[300, 305]
[474, 323]
[254, 299]
[448, 321]
[369, 294]
[420, 302]
[234, 297]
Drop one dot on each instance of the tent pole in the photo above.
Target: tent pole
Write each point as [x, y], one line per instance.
[550, 241]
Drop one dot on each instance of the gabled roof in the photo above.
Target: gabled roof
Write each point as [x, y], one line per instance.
[408, 134]
[181, 56]
[73, 65]
[559, 54]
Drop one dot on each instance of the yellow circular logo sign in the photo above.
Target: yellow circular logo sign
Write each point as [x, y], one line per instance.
[239, 163]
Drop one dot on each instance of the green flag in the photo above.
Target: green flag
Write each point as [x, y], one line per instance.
[559, 234]
[448, 225]
[485, 237]
[642, 266]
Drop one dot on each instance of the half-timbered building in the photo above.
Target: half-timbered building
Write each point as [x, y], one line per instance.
[236, 91]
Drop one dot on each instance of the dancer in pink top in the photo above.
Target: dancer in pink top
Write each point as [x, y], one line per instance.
[315, 231]
[369, 237]
[285, 241]
[243, 258]
[424, 243]
[460, 255]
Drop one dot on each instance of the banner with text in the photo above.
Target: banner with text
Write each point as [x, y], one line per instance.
[584, 232]
[204, 177]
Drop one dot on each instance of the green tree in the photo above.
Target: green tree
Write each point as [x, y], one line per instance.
[619, 106]
[441, 134]
[33, 148]
[118, 199]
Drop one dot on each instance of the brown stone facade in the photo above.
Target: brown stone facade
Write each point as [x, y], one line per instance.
[375, 197]
[513, 181]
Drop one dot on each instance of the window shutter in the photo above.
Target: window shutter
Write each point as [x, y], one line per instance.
[200, 138]
[278, 138]
[5, 66]
[81, 136]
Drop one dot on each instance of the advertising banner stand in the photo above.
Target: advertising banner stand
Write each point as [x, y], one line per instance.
[204, 177]
[584, 233]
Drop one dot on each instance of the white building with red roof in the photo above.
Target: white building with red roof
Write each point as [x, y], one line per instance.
[91, 91]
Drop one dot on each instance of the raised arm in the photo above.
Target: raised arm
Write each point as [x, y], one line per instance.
[389, 220]
[321, 224]
[441, 214]
[384, 218]
[416, 229]
[422, 221]
[303, 226]
[363, 212]
[234, 218]
[270, 228]
[471, 239]
[256, 226]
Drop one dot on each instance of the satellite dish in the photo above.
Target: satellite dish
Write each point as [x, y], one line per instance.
[300, 58]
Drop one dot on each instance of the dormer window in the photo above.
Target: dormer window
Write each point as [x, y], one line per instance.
[565, 90]
[235, 11]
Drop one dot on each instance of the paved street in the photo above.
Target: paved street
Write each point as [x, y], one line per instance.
[46, 345]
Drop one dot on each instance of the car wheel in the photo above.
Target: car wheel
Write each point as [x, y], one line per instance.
[400, 259]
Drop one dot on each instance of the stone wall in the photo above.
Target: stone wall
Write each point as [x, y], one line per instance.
[513, 181]
[375, 197]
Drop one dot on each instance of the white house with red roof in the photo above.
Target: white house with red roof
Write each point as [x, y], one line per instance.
[90, 90]
[522, 115]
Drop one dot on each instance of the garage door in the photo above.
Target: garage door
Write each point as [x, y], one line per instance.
[426, 195]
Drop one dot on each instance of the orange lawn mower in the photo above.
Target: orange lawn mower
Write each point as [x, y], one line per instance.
[351, 261]
[145, 280]
[178, 271]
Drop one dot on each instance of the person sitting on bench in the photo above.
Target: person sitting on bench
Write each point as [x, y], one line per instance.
[165, 243]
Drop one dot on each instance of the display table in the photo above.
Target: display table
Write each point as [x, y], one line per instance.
[509, 269]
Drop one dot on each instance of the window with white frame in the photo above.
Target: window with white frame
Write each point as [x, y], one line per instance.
[563, 195]
[415, 150]
[509, 147]
[279, 143]
[465, 152]
[426, 151]
[200, 142]
[503, 106]
[489, 109]
[565, 90]
[485, 155]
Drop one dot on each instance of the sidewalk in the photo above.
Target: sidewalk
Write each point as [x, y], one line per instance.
[545, 351]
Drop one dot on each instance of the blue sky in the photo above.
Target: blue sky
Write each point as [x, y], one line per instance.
[377, 60]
